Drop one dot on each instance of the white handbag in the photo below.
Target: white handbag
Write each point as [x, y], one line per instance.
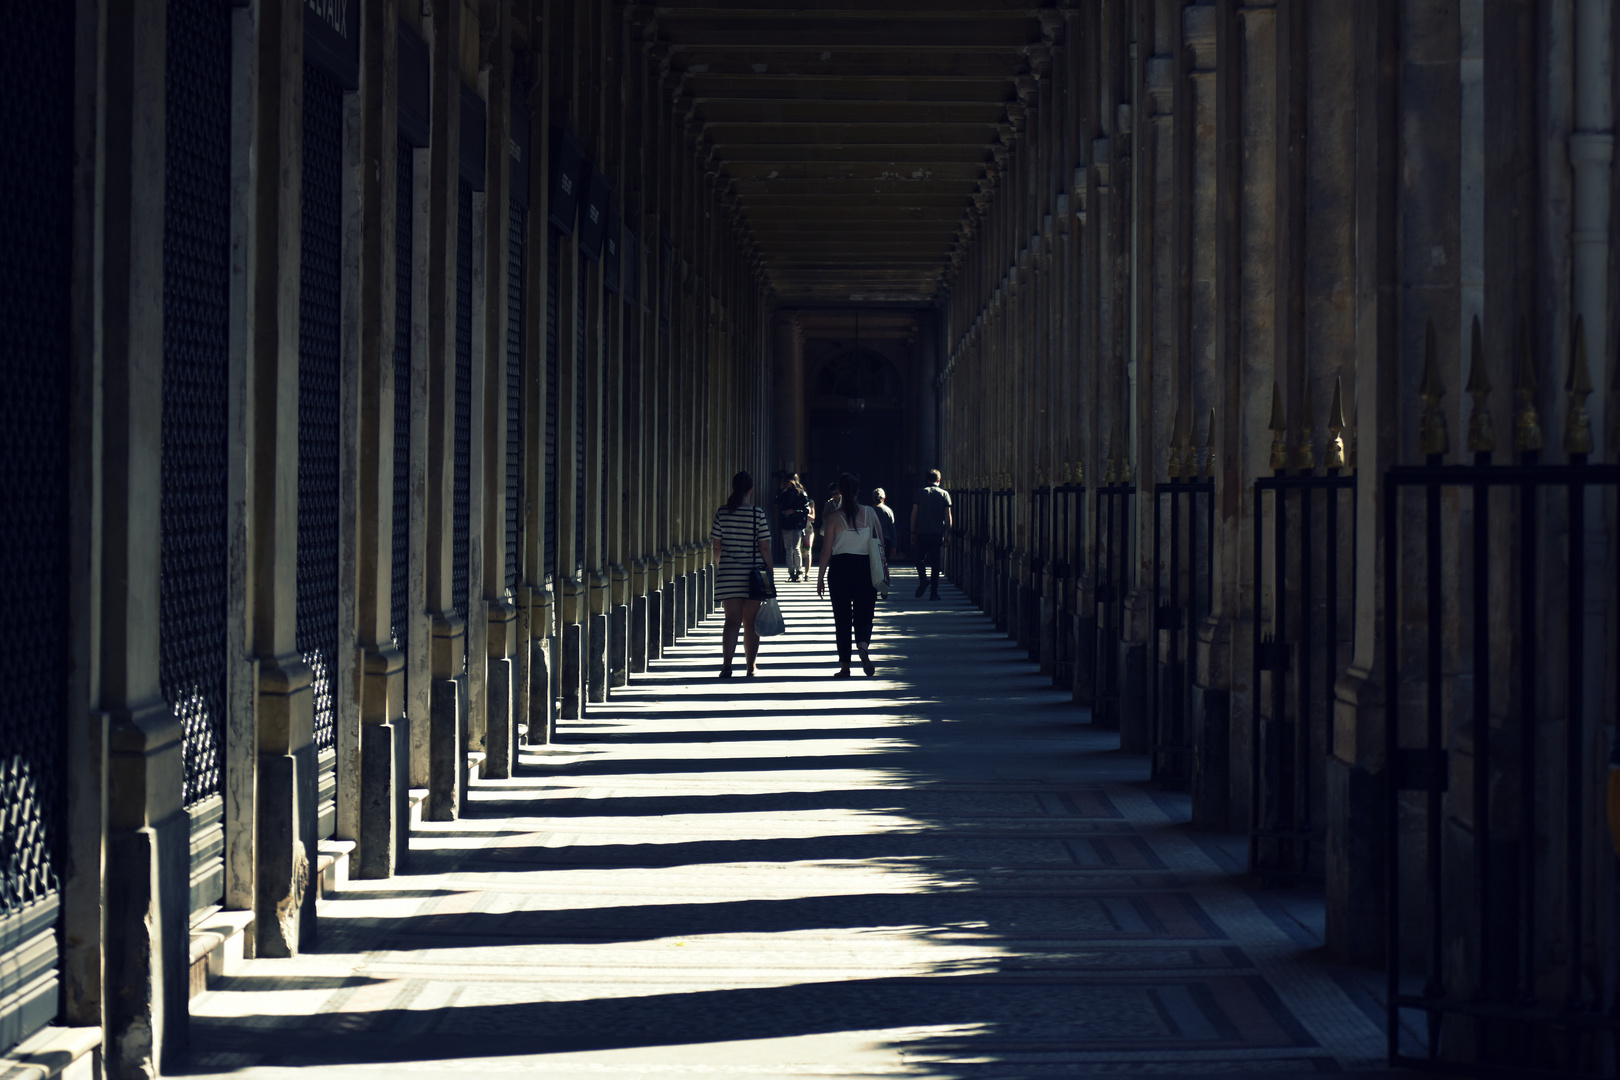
[768, 621]
[879, 563]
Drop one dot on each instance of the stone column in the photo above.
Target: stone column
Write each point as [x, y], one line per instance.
[536, 602]
[499, 610]
[447, 750]
[147, 845]
[376, 792]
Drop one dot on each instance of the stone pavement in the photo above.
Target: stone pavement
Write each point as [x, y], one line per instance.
[941, 871]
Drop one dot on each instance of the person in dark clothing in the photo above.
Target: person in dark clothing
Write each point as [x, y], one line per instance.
[886, 517]
[930, 532]
[794, 509]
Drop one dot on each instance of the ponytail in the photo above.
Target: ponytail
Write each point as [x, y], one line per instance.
[741, 485]
[849, 487]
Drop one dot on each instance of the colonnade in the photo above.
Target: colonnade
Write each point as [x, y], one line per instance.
[1236, 271]
[403, 353]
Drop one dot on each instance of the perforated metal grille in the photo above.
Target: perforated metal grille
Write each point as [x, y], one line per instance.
[463, 477]
[196, 372]
[36, 100]
[319, 304]
[580, 370]
[553, 304]
[514, 392]
[399, 594]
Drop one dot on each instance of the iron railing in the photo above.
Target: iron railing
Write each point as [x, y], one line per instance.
[196, 384]
[1183, 587]
[319, 374]
[1111, 575]
[1298, 652]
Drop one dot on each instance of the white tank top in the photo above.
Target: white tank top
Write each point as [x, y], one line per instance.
[856, 541]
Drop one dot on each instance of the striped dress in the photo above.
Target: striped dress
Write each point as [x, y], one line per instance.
[739, 533]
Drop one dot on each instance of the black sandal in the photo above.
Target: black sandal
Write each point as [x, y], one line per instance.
[725, 673]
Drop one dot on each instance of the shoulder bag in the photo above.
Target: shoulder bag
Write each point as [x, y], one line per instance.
[761, 580]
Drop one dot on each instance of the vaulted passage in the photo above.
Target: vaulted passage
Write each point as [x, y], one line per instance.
[373, 370]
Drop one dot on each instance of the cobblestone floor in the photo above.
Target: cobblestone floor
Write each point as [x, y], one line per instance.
[940, 871]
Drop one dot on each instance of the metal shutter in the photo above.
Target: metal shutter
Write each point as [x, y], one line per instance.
[319, 413]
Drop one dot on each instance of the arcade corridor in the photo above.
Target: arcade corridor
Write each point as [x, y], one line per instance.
[371, 372]
[943, 871]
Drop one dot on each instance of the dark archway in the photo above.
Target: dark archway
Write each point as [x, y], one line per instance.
[857, 421]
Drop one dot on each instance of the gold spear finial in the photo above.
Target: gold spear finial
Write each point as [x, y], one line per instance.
[1335, 443]
[1305, 455]
[1079, 471]
[1209, 445]
[1063, 474]
[1040, 476]
[1481, 433]
[1109, 472]
[1279, 430]
[1527, 424]
[1433, 438]
[1173, 465]
[1578, 425]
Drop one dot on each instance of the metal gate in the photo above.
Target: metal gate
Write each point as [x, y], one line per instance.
[196, 415]
[1299, 648]
[320, 416]
[515, 253]
[1111, 576]
[1183, 585]
[1500, 880]
[399, 603]
[36, 113]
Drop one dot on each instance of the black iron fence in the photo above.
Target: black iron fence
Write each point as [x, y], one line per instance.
[1304, 566]
[1183, 583]
[1111, 579]
[1499, 892]
[1068, 530]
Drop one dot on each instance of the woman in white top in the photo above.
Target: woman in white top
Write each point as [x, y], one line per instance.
[846, 551]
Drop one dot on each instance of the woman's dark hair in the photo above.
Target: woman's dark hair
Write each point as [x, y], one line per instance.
[849, 486]
[741, 485]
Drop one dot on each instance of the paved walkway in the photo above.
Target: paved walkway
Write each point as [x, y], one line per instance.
[941, 871]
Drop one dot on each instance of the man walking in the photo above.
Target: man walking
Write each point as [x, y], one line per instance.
[930, 532]
[792, 518]
[886, 520]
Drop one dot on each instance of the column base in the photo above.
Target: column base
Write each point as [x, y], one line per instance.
[148, 871]
[638, 646]
[596, 671]
[384, 799]
[447, 747]
[500, 746]
[542, 693]
[284, 910]
[678, 624]
[619, 645]
[572, 664]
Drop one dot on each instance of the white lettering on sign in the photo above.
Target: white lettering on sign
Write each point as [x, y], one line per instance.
[567, 184]
[514, 149]
[334, 13]
[596, 215]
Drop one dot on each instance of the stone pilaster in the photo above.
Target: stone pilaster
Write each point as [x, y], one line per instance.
[373, 788]
[147, 843]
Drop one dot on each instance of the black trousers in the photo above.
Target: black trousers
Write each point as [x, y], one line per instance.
[849, 579]
[928, 555]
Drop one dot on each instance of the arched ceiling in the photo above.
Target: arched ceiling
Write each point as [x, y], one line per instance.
[855, 135]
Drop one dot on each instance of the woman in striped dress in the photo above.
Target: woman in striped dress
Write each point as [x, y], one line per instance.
[742, 543]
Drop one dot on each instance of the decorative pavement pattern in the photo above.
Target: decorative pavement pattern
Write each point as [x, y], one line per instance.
[939, 871]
